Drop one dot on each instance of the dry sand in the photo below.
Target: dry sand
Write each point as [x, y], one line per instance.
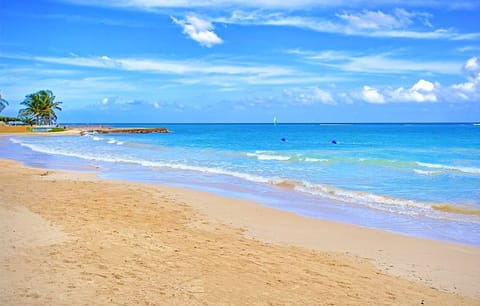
[69, 238]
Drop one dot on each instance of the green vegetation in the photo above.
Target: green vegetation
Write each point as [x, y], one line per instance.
[40, 108]
[27, 120]
[3, 103]
[9, 119]
[57, 129]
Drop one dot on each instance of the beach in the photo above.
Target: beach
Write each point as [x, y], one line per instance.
[71, 238]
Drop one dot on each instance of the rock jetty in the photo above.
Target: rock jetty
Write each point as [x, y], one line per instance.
[126, 130]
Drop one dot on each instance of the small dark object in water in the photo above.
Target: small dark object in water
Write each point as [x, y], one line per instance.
[283, 139]
[334, 141]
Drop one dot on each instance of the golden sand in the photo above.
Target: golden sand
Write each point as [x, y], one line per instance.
[73, 239]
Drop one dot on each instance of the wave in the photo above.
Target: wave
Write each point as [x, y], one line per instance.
[267, 155]
[374, 201]
[146, 163]
[260, 155]
[469, 170]
[315, 160]
[456, 209]
[114, 141]
[438, 168]
[424, 172]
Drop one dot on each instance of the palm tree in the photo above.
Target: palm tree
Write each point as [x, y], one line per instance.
[41, 106]
[33, 108]
[3, 103]
[49, 114]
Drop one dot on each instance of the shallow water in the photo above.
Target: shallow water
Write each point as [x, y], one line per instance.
[421, 179]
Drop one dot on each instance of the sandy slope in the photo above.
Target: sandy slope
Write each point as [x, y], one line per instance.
[68, 238]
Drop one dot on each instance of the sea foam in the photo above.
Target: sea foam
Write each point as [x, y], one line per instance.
[469, 170]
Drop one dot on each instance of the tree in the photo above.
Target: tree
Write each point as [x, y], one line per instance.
[27, 120]
[41, 107]
[3, 103]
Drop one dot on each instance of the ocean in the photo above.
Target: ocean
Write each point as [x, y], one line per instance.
[420, 180]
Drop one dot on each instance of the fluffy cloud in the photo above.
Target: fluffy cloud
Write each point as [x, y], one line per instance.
[422, 91]
[472, 66]
[469, 90]
[309, 96]
[199, 30]
[371, 95]
[426, 91]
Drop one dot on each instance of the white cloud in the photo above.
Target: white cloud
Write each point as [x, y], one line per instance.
[377, 63]
[219, 73]
[309, 96]
[273, 4]
[289, 13]
[371, 95]
[200, 30]
[378, 20]
[430, 92]
[423, 86]
[422, 91]
[469, 90]
[472, 65]
[163, 66]
[322, 96]
[468, 48]
[152, 4]
[374, 20]
[466, 91]
[367, 23]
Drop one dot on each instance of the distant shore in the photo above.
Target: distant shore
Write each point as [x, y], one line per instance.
[124, 130]
[20, 130]
[81, 238]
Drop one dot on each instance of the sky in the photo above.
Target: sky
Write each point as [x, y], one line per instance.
[244, 61]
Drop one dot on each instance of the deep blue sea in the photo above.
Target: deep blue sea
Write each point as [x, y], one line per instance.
[416, 179]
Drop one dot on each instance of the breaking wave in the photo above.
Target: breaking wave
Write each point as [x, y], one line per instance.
[469, 170]
[267, 155]
[426, 172]
[371, 200]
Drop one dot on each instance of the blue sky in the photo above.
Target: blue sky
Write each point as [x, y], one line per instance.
[244, 61]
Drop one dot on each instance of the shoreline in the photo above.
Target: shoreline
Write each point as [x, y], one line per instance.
[281, 196]
[445, 266]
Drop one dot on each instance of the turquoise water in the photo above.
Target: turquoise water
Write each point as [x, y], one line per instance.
[389, 176]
